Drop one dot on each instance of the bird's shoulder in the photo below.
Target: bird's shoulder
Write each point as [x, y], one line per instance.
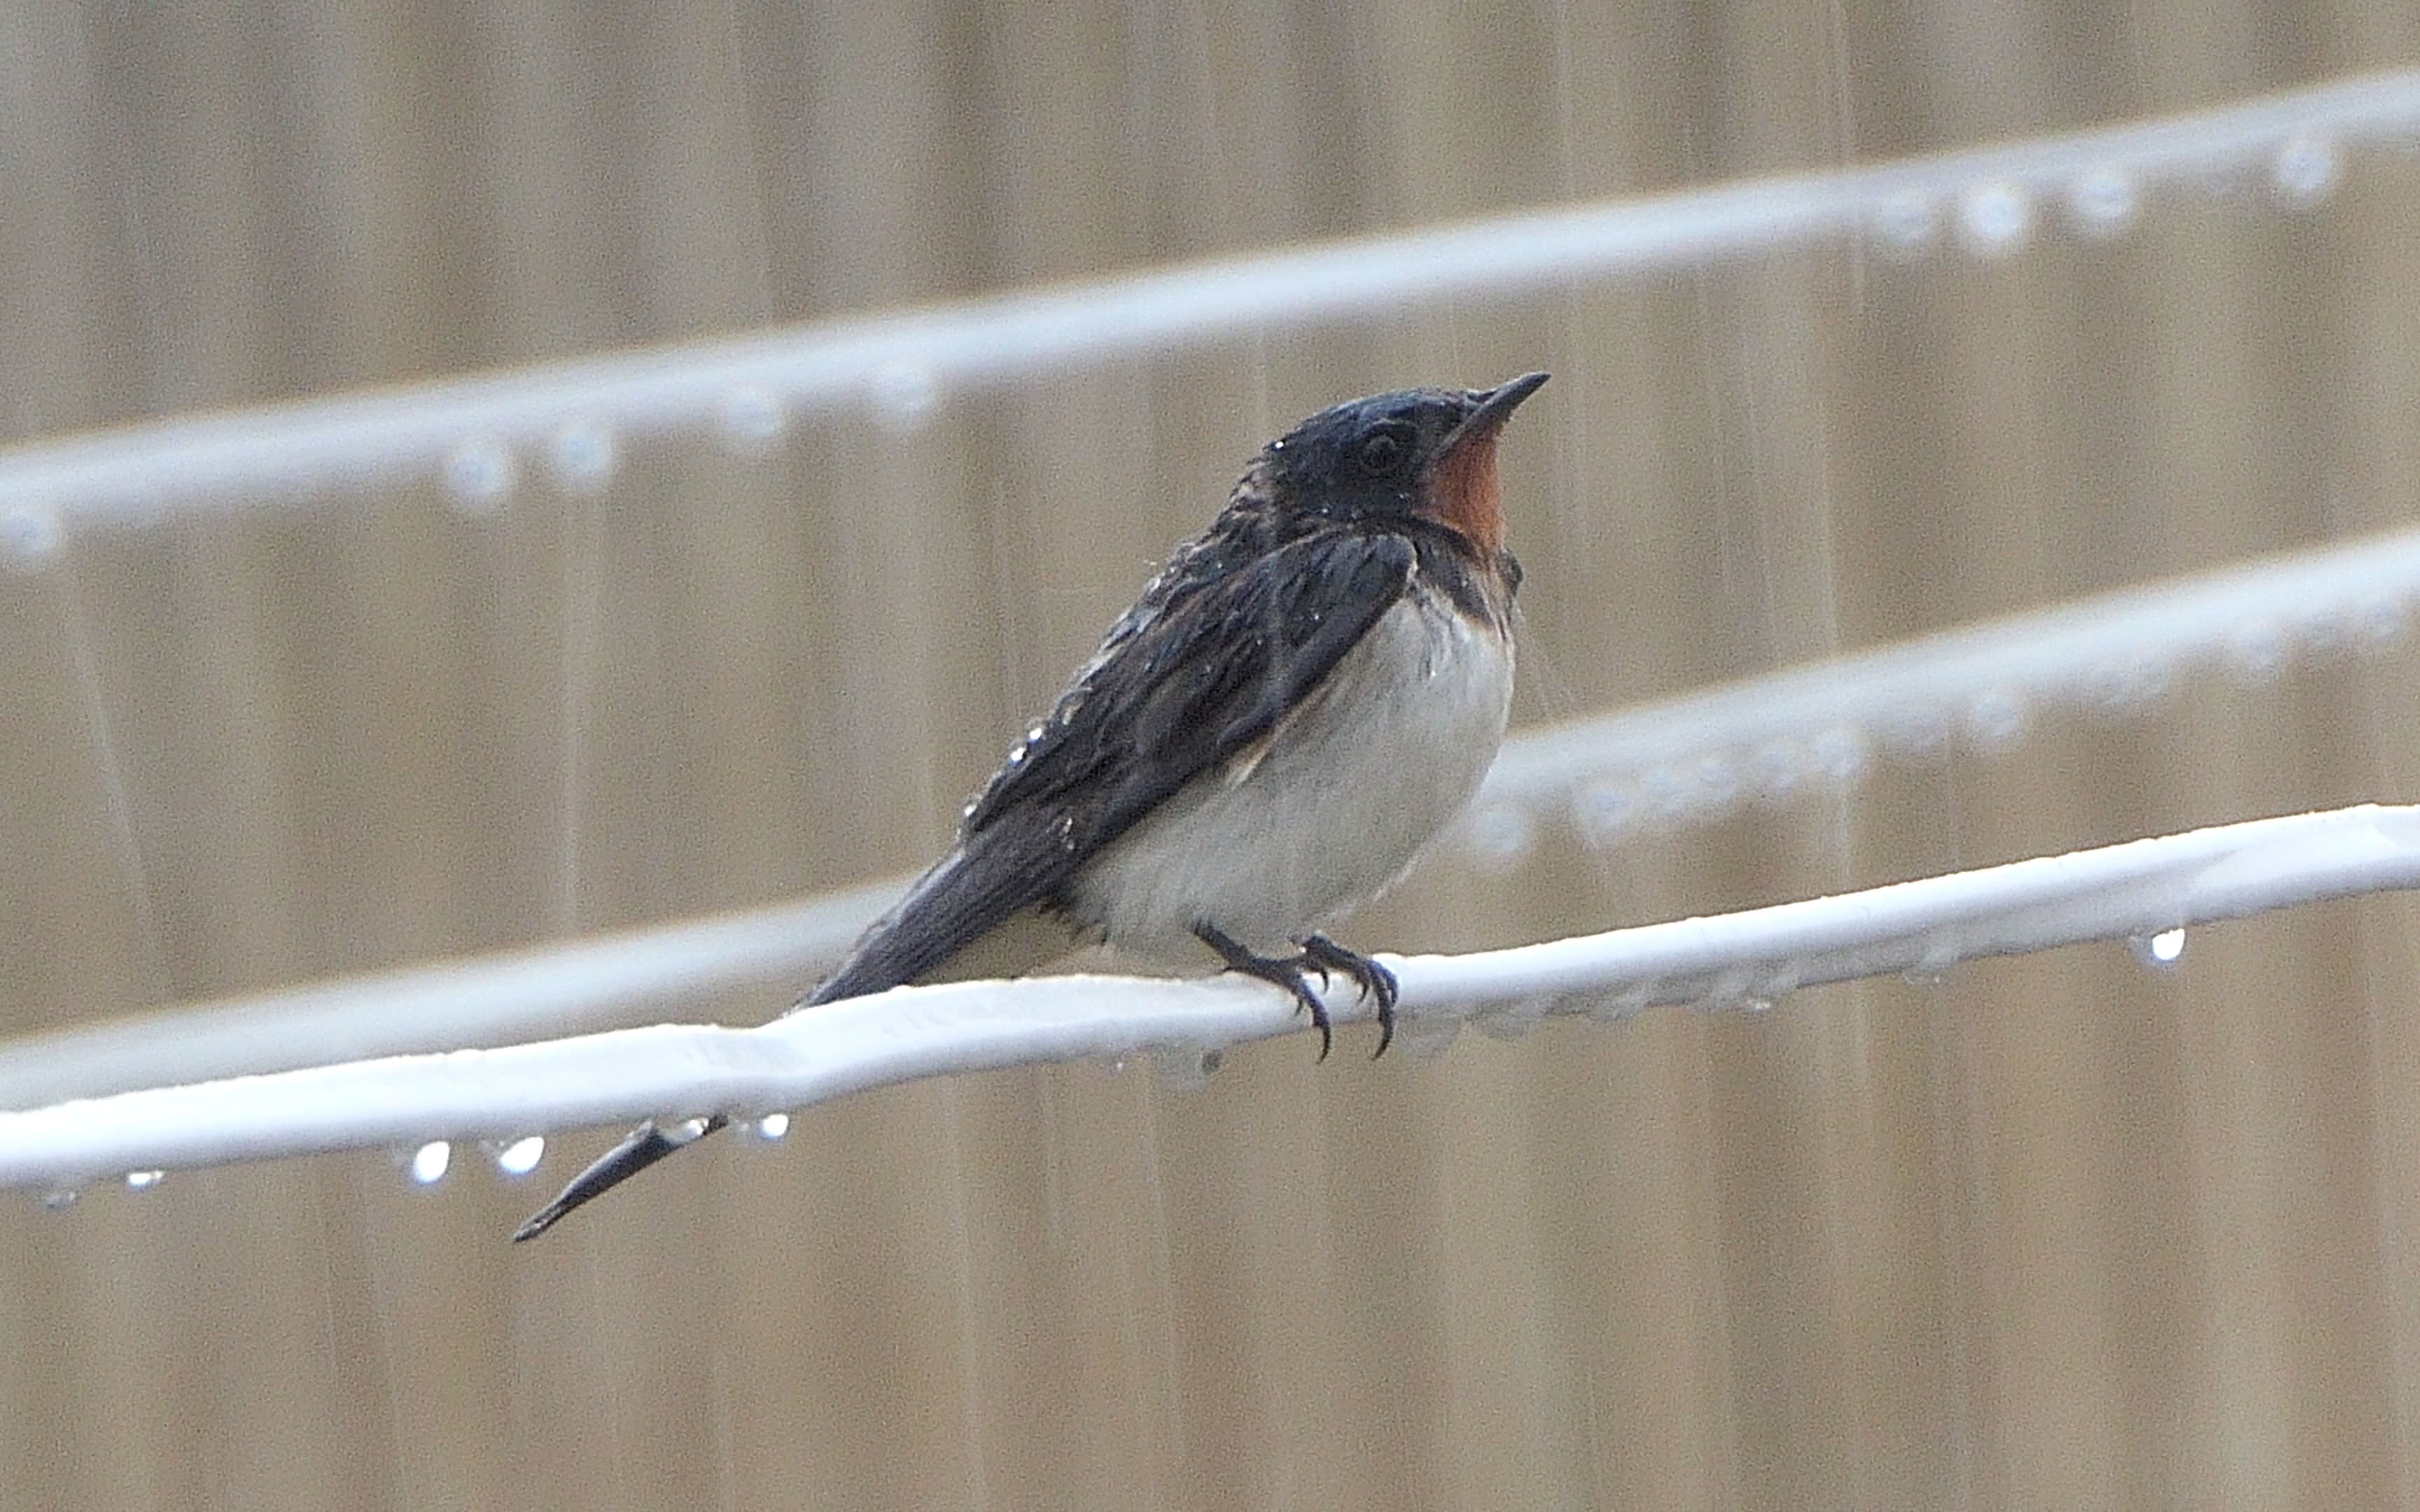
[1243, 619]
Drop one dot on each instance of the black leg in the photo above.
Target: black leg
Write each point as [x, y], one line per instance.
[1279, 970]
[1377, 983]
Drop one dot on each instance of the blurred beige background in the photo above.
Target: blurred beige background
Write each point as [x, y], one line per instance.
[2060, 1231]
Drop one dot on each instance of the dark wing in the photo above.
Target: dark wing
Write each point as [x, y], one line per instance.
[1214, 654]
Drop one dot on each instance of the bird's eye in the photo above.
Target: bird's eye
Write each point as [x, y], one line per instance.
[1382, 454]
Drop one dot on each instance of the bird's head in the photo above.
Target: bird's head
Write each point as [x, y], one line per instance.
[1423, 451]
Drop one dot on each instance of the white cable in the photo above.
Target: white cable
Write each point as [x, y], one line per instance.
[2144, 889]
[567, 415]
[1660, 765]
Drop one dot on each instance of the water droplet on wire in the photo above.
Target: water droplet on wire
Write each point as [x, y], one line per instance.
[2102, 201]
[772, 1126]
[144, 1180]
[479, 476]
[1994, 218]
[30, 536]
[2305, 169]
[583, 454]
[430, 1162]
[2162, 948]
[1182, 1069]
[60, 1198]
[750, 421]
[522, 1156]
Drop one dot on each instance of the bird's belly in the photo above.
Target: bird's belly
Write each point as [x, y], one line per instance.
[1348, 789]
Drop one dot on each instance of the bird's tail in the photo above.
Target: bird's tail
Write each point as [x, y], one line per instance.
[945, 919]
[640, 1148]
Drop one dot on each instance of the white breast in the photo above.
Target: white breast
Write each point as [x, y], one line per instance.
[1334, 809]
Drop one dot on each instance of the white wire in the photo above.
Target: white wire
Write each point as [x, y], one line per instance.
[1661, 764]
[573, 409]
[2140, 889]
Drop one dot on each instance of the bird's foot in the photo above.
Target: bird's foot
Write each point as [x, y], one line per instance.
[1283, 971]
[1376, 982]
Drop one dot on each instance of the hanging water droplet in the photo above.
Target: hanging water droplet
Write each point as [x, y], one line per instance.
[1914, 732]
[479, 476]
[430, 1162]
[749, 419]
[2257, 651]
[2305, 169]
[2161, 949]
[772, 1126]
[1775, 771]
[1906, 223]
[144, 1180]
[1841, 753]
[1932, 966]
[1732, 988]
[685, 1131]
[1996, 719]
[1606, 811]
[1514, 1019]
[1427, 1038]
[1664, 792]
[2101, 200]
[1717, 783]
[522, 1156]
[30, 536]
[2379, 621]
[1499, 837]
[583, 455]
[1994, 218]
[1627, 1004]
[60, 1198]
[903, 395]
[1184, 1069]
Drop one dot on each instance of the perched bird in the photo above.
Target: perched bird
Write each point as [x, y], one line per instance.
[1301, 698]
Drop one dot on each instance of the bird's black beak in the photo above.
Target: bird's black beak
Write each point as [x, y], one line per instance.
[1495, 405]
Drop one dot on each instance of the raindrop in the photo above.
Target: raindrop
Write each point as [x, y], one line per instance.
[2257, 651]
[904, 394]
[751, 420]
[1625, 1005]
[1841, 753]
[2127, 687]
[1994, 218]
[1665, 792]
[1996, 719]
[2305, 169]
[1716, 779]
[430, 1162]
[60, 1198]
[1427, 1038]
[522, 1156]
[1775, 770]
[1914, 733]
[2378, 622]
[772, 1126]
[30, 536]
[1907, 223]
[1184, 1068]
[1735, 988]
[583, 455]
[144, 1180]
[479, 476]
[1933, 965]
[2162, 948]
[1514, 1019]
[1607, 811]
[1501, 836]
[2101, 202]
[686, 1130]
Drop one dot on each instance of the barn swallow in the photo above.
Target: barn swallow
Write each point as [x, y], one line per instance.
[1301, 698]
